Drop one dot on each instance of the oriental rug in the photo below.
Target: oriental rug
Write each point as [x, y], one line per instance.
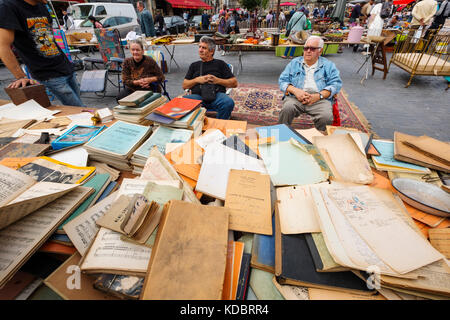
[260, 104]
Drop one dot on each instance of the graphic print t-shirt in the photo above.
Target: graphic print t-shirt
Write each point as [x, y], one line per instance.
[33, 39]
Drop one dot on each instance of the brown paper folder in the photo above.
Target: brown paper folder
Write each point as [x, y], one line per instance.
[189, 256]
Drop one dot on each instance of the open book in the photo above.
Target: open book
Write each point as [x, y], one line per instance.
[20, 194]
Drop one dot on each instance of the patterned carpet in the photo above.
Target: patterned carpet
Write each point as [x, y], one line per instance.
[260, 104]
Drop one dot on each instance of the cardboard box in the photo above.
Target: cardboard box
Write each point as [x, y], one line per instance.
[35, 91]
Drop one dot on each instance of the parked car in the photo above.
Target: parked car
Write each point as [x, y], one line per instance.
[81, 11]
[195, 21]
[175, 24]
[123, 24]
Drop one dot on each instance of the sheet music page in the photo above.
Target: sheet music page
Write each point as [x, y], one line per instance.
[400, 247]
[131, 186]
[42, 189]
[22, 238]
[109, 252]
[82, 229]
[12, 184]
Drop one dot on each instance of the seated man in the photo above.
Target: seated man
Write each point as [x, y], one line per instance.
[309, 82]
[210, 70]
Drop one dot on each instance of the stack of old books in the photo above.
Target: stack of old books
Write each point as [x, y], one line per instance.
[136, 106]
[115, 145]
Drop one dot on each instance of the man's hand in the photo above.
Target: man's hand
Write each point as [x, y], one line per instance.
[212, 79]
[301, 95]
[313, 98]
[21, 83]
[202, 79]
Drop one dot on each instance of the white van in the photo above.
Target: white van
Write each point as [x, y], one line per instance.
[81, 11]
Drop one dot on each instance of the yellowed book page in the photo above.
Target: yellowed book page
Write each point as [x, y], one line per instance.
[349, 161]
[291, 292]
[12, 184]
[24, 237]
[82, 229]
[131, 186]
[109, 252]
[310, 133]
[400, 247]
[440, 239]
[248, 197]
[322, 294]
[296, 208]
[32, 199]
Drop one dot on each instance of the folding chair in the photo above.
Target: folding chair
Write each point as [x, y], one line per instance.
[158, 56]
[61, 40]
[94, 81]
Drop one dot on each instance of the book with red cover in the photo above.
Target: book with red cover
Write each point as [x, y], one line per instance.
[177, 107]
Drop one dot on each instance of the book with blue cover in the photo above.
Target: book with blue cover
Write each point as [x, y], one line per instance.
[160, 137]
[263, 251]
[119, 140]
[76, 135]
[281, 132]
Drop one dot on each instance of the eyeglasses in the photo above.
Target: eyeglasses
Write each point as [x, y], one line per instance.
[310, 48]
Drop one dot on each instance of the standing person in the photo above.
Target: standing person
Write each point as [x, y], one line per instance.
[322, 11]
[95, 23]
[365, 11]
[211, 71]
[356, 13]
[222, 23]
[223, 10]
[269, 19]
[139, 71]
[145, 20]
[69, 24]
[27, 25]
[423, 12]
[282, 19]
[159, 19]
[205, 20]
[441, 15]
[309, 83]
[295, 24]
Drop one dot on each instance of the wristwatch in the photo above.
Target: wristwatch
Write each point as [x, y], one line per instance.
[320, 96]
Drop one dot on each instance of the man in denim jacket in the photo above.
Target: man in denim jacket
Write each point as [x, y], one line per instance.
[309, 82]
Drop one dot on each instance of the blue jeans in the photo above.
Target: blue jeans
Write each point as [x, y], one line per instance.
[66, 89]
[223, 104]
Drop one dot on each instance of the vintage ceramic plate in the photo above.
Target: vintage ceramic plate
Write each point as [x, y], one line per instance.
[423, 196]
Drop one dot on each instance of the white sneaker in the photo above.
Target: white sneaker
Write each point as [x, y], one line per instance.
[223, 52]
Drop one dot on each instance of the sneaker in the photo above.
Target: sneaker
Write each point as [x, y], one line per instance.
[223, 52]
[284, 57]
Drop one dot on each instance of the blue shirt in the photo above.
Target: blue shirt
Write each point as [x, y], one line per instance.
[326, 76]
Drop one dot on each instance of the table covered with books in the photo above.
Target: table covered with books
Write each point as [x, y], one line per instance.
[155, 200]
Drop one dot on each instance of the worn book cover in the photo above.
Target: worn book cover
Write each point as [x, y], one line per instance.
[182, 266]
[177, 107]
[135, 98]
[23, 150]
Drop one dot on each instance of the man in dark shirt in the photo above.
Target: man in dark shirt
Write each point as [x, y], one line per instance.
[356, 13]
[210, 70]
[27, 25]
[205, 20]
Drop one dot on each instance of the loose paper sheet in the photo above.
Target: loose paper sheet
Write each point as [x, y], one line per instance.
[217, 163]
[82, 229]
[296, 208]
[75, 156]
[400, 247]
[12, 183]
[248, 197]
[28, 110]
[210, 136]
[440, 239]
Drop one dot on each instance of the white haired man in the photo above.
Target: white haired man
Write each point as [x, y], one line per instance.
[309, 84]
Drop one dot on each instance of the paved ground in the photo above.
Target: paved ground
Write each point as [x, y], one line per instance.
[423, 108]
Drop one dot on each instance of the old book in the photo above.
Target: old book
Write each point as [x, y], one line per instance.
[227, 127]
[210, 136]
[109, 254]
[82, 229]
[322, 294]
[16, 163]
[187, 122]
[295, 266]
[262, 285]
[440, 239]
[76, 135]
[248, 198]
[403, 151]
[237, 144]
[118, 141]
[281, 133]
[244, 276]
[144, 107]
[291, 292]
[263, 251]
[6, 140]
[177, 107]
[69, 283]
[235, 251]
[24, 237]
[51, 170]
[123, 287]
[98, 183]
[323, 260]
[23, 150]
[186, 159]
[16, 285]
[431, 147]
[195, 271]
[21, 195]
[135, 98]
[387, 162]
[290, 163]
[345, 156]
[10, 126]
[57, 248]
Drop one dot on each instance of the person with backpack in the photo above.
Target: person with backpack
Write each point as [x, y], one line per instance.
[297, 23]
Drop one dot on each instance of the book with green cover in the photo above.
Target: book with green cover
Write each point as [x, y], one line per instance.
[135, 98]
[98, 182]
[262, 285]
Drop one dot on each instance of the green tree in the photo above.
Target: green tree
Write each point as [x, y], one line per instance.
[250, 4]
[264, 3]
